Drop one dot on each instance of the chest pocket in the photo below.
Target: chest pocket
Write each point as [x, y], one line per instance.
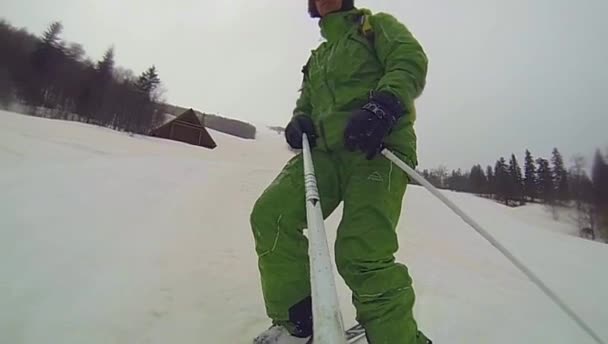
[354, 57]
[352, 70]
[342, 72]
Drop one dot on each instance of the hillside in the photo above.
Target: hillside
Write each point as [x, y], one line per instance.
[112, 238]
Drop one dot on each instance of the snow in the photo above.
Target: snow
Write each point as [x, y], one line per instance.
[112, 238]
[542, 217]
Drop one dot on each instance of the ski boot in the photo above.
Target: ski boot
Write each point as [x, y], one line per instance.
[298, 330]
[278, 334]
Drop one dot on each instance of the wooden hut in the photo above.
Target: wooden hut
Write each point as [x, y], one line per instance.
[185, 128]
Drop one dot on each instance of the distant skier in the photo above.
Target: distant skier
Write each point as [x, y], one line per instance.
[357, 96]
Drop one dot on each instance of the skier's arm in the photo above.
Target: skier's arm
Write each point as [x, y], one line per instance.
[303, 105]
[301, 120]
[403, 58]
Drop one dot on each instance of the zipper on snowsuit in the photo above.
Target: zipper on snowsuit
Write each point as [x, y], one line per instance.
[322, 128]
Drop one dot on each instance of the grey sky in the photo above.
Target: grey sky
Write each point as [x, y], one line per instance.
[504, 75]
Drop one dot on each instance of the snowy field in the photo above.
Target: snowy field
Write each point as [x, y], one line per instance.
[111, 238]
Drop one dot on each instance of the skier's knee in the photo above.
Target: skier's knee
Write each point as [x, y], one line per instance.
[361, 277]
[254, 214]
[265, 227]
[259, 214]
[368, 276]
[353, 268]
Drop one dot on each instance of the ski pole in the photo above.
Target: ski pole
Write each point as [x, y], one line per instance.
[486, 235]
[327, 318]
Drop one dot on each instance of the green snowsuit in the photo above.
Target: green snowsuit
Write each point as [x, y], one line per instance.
[338, 79]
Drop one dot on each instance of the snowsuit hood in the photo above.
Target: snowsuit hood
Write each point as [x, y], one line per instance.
[312, 7]
[335, 25]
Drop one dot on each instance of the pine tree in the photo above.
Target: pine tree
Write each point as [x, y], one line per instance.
[148, 81]
[516, 186]
[453, 181]
[51, 35]
[459, 181]
[105, 66]
[530, 182]
[491, 185]
[478, 181]
[599, 176]
[483, 179]
[95, 97]
[45, 60]
[431, 177]
[148, 110]
[502, 180]
[76, 52]
[600, 179]
[560, 177]
[544, 178]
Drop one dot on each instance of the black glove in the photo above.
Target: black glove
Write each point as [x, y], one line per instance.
[299, 125]
[370, 125]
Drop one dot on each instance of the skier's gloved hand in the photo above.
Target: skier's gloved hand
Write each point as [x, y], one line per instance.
[299, 125]
[371, 124]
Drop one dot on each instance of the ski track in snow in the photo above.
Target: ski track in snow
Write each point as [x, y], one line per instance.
[111, 238]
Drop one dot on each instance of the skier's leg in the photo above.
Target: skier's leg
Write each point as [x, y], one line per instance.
[277, 221]
[365, 248]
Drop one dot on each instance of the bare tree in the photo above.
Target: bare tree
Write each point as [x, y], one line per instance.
[581, 191]
[441, 172]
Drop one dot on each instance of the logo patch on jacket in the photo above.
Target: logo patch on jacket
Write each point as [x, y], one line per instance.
[376, 177]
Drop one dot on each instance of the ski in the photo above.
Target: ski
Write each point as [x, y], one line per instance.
[353, 334]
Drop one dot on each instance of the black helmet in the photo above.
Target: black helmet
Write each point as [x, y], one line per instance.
[312, 7]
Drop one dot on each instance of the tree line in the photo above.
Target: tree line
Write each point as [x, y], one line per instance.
[546, 181]
[53, 78]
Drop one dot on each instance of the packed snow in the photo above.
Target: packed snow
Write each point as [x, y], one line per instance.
[107, 237]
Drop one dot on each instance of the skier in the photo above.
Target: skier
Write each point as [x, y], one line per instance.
[357, 97]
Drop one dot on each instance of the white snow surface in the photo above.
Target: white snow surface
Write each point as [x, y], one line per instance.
[112, 238]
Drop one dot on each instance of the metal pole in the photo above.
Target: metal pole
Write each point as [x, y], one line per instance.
[327, 318]
[486, 235]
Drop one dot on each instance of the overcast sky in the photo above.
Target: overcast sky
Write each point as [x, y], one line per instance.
[503, 76]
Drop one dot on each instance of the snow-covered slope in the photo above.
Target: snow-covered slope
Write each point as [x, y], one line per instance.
[542, 216]
[111, 238]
